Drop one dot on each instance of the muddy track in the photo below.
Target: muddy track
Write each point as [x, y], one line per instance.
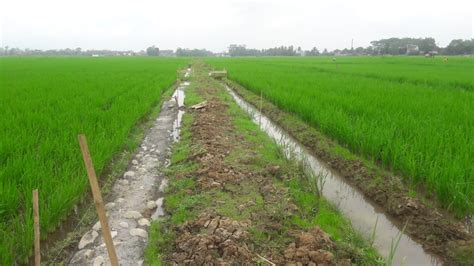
[247, 200]
[436, 229]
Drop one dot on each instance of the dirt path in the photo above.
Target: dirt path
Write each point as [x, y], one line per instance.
[234, 200]
[137, 197]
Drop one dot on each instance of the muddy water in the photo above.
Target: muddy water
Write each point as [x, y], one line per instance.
[179, 95]
[362, 213]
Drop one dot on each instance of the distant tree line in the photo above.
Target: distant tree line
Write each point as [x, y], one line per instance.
[241, 50]
[150, 51]
[193, 52]
[390, 46]
[7, 51]
[397, 46]
[459, 46]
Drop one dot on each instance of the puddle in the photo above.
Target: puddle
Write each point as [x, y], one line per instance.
[179, 96]
[163, 185]
[349, 200]
[188, 72]
[159, 209]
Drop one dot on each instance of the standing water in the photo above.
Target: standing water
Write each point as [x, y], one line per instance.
[363, 215]
[179, 95]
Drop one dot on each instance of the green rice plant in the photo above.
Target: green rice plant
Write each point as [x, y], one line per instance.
[374, 231]
[394, 246]
[45, 103]
[411, 115]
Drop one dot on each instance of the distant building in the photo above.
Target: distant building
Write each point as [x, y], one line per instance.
[167, 53]
[412, 49]
[223, 54]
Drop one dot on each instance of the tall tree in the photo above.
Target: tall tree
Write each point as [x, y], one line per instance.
[153, 51]
[460, 46]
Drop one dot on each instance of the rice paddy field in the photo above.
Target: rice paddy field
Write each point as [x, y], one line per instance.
[45, 103]
[412, 115]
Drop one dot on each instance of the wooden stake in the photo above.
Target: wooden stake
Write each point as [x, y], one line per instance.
[99, 204]
[36, 228]
[261, 104]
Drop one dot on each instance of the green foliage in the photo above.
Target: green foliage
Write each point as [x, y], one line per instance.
[192, 52]
[460, 47]
[153, 51]
[46, 103]
[412, 115]
[160, 239]
[241, 50]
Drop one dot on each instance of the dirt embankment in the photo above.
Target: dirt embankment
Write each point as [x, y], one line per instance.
[216, 239]
[248, 214]
[438, 230]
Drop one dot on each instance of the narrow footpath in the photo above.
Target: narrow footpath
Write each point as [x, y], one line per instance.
[233, 198]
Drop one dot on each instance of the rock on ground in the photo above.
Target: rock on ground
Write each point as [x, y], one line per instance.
[139, 232]
[87, 238]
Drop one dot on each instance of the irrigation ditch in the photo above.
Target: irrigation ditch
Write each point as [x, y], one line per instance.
[137, 198]
[424, 233]
[365, 216]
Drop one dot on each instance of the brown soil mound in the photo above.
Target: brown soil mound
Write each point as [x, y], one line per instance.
[216, 240]
[310, 248]
[213, 240]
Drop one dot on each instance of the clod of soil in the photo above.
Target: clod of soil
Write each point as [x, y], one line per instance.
[212, 240]
[310, 248]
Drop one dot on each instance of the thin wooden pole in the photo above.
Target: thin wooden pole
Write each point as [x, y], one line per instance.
[36, 228]
[99, 204]
[261, 104]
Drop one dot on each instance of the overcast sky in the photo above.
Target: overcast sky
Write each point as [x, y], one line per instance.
[212, 24]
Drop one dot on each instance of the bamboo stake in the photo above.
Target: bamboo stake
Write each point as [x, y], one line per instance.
[99, 204]
[261, 104]
[36, 228]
